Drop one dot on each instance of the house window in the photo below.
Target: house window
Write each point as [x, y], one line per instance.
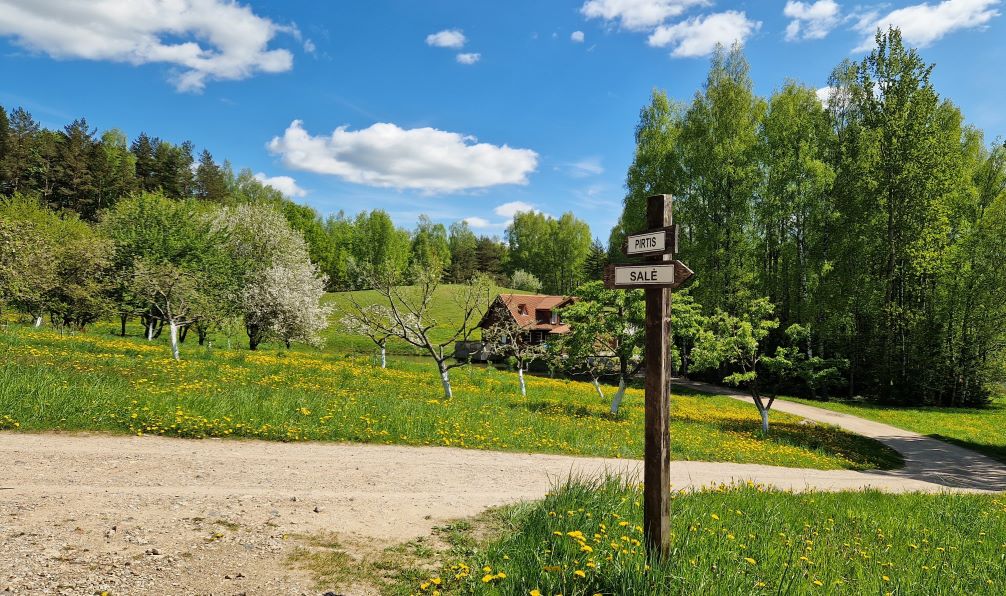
[555, 318]
[541, 315]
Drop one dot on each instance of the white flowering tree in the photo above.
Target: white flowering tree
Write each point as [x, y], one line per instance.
[281, 290]
[407, 315]
[284, 303]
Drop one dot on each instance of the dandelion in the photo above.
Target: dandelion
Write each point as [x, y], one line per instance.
[579, 573]
[750, 561]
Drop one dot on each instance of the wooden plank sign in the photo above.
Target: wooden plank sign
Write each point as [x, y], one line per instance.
[654, 242]
[667, 274]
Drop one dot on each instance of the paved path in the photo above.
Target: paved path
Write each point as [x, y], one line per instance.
[926, 459]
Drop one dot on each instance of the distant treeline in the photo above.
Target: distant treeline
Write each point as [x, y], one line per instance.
[874, 217]
[76, 170]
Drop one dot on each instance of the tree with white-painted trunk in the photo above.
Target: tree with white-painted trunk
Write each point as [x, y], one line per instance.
[738, 344]
[27, 268]
[407, 315]
[606, 336]
[361, 325]
[170, 292]
[506, 338]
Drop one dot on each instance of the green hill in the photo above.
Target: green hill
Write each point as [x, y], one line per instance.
[445, 310]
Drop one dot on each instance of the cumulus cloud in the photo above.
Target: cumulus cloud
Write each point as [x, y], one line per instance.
[470, 58]
[810, 20]
[576, 37]
[478, 222]
[387, 156]
[508, 210]
[637, 15]
[698, 36]
[285, 184]
[923, 24]
[448, 38]
[205, 40]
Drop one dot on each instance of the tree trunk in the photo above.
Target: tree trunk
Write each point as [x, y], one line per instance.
[184, 333]
[520, 375]
[617, 400]
[38, 321]
[598, 387]
[122, 324]
[764, 420]
[202, 332]
[384, 357]
[173, 328]
[150, 329]
[445, 379]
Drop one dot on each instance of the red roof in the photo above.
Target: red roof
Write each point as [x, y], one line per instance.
[523, 308]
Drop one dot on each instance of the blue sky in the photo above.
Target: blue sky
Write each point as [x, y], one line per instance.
[463, 109]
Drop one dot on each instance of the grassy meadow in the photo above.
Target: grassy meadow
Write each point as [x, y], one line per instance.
[981, 429]
[101, 382]
[585, 538]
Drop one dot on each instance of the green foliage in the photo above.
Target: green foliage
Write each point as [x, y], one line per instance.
[873, 223]
[524, 281]
[430, 250]
[464, 252]
[553, 250]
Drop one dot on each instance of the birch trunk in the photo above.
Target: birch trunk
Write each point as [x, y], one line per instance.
[617, 400]
[173, 328]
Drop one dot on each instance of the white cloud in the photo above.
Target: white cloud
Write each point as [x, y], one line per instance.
[309, 46]
[469, 58]
[811, 20]
[698, 36]
[448, 38]
[923, 24]
[576, 37]
[387, 156]
[637, 15]
[508, 210]
[588, 166]
[284, 184]
[207, 40]
[479, 222]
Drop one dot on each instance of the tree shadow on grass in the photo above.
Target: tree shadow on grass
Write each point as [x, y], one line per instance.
[549, 408]
[864, 452]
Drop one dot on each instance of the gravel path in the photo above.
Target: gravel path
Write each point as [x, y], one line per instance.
[82, 513]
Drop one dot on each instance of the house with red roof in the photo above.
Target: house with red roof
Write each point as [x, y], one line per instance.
[536, 314]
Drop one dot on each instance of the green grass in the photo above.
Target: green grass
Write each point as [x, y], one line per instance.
[981, 429]
[586, 538]
[445, 311]
[100, 382]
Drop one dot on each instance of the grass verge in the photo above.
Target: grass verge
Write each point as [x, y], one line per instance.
[586, 537]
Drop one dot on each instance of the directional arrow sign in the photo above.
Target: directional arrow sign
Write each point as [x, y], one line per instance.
[658, 275]
[655, 242]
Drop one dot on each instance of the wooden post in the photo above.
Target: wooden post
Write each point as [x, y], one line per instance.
[657, 454]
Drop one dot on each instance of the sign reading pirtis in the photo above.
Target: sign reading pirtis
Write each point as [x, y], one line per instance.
[654, 242]
[657, 275]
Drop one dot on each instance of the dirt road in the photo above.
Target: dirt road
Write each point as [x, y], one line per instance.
[82, 514]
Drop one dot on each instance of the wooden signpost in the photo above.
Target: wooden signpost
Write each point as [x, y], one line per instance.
[658, 277]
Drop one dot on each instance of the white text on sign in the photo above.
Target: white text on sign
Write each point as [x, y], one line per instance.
[645, 243]
[644, 275]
